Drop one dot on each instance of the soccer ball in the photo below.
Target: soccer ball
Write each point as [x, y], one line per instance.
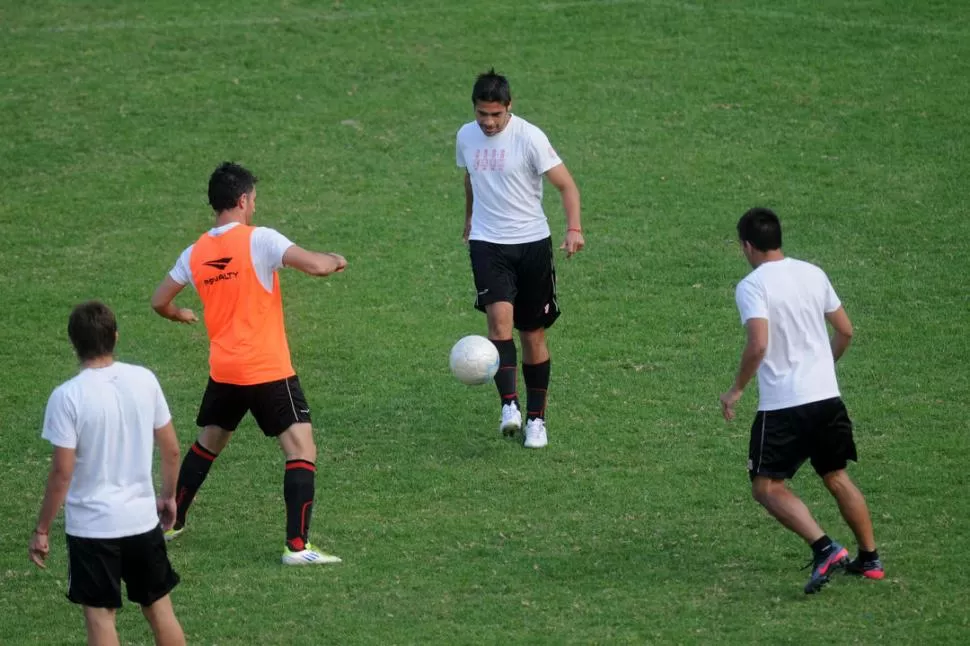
[474, 360]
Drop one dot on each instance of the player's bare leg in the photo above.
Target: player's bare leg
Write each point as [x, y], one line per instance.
[500, 320]
[788, 509]
[500, 326]
[534, 348]
[852, 506]
[297, 443]
[165, 626]
[299, 487]
[101, 628]
[214, 438]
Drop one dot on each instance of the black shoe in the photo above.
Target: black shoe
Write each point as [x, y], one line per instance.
[836, 557]
[869, 569]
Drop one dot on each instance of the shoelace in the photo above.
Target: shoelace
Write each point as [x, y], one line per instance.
[815, 562]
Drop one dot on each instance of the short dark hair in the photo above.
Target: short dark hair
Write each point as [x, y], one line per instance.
[491, 86]
[93, 330]
[228, 183]
[760, 227]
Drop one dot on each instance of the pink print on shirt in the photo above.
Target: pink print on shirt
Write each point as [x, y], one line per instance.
[490, 159]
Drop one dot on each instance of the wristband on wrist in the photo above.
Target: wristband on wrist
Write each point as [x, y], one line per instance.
[576, 230]
[40, 533]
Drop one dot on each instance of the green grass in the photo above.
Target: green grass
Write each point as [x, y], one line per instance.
[635, 525]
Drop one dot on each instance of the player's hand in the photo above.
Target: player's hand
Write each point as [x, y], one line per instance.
[728, 400]
[166, 512]
[573, 243]
[38, 549]
[467, 232]
[185, 315]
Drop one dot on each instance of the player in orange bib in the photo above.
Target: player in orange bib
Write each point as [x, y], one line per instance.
[233, 267]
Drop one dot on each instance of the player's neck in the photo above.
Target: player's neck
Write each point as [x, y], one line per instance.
[774, 255]
[98, 362]
[230, 216]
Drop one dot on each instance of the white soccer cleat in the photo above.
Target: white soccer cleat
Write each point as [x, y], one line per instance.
[308, 556]
[535, 434]
[511, 420]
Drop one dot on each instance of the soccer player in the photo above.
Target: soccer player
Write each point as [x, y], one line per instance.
[234, 268]
[505, 158]
[103, 425]
[784, 305]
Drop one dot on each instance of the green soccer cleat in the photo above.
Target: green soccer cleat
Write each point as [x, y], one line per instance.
[175, 532]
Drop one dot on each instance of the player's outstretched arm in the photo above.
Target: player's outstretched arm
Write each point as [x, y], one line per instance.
[162, 302]
[559, 177]
[842, 335]
[312, 262]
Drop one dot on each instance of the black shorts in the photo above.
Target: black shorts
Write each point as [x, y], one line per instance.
[781, 440]
[276, 405]
[521, 274]
[97, 566]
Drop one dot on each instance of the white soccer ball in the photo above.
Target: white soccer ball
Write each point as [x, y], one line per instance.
[474, 360]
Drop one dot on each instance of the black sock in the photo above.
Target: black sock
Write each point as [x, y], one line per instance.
[298, 488]
[865, 557]
[195, 468]
[536, 384]
[507, 371]
[822, 545]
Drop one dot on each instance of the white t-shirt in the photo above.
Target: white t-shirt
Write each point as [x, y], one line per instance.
[108, 416]
[266, 248]
[506, 171]
[794, 296]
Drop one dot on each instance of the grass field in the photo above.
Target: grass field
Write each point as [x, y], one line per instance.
[635, 525]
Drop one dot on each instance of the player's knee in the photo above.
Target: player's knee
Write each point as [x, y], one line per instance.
[500, 320]
[500, 330]
[214, 439]
[534, 341]
[309, 453]
[99, 618]
[297, 443]
[160, 611]
[764, 489]
[837, 481]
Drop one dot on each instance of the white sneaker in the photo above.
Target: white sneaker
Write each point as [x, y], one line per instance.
[308, 556]
[511, 420]
[535, 434]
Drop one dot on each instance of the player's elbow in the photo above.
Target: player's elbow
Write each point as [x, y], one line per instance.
[172, 456]
[60, 475]
[159, 304]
